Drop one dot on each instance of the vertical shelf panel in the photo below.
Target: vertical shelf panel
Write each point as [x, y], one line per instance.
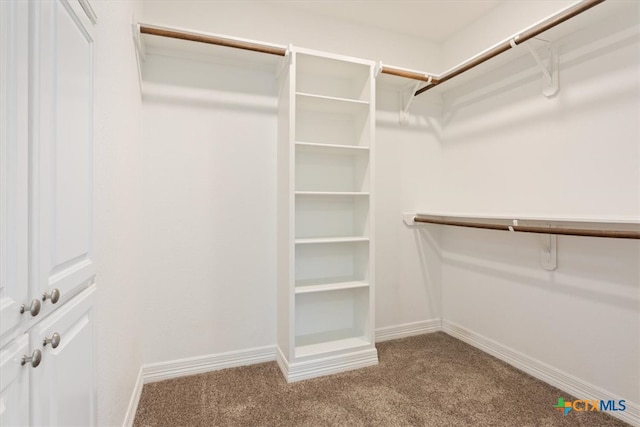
[285, 207]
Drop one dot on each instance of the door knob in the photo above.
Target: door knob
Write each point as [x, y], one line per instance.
[34, 308]
[54, 340]
[54, 296]
[35, 359]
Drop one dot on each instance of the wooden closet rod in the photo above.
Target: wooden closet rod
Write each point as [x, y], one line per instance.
[407, 74]
[209, 39]
[253, 46]
[508, 44]
[616, 234]
[431, 79]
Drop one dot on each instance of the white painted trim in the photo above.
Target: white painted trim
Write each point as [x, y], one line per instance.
[544, 372]
[282, 362]
[130, 416]
[197, 365]
[327, 365]
[408, 330]
[331, 365]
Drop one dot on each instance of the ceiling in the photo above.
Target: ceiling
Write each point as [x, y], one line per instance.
[434, 20]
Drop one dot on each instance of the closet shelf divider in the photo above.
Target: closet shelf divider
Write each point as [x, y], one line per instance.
[332, 193]
[323, 240]
[327, 287]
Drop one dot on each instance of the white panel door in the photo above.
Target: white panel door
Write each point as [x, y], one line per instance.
[14, 73]
[62, 150]
[14, 384]
[62, 387]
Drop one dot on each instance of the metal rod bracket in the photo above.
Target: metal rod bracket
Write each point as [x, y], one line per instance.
[549, 71]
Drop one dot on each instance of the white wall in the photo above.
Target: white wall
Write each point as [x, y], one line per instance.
[116, 159]
[208, 180]
[506, 149]
[408, 178]
[504, 21]
[267, 22]
[209, 176]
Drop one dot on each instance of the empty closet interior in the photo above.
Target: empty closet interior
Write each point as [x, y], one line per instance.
[291, 182]
[323, 157]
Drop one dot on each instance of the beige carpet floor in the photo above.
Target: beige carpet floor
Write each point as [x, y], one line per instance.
[428, 380]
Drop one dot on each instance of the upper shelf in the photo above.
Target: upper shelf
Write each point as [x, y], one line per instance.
[325, 75]
[329, 104]
[619, 227]
[622, 13]
[179, 42]
[331, 149]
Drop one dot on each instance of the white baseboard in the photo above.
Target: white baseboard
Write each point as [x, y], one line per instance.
[130, 416]
[550, 375]
[197, 365]
[299, 371]
[408, 330]
[326, 365]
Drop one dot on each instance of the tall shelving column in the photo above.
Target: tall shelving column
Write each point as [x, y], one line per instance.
[325, 215]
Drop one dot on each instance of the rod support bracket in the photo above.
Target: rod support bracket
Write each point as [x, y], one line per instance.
[549, 251]
[409, 218]
[549, 69]
[377, 70]
[286, 61]
[407, 95]
[137, 39]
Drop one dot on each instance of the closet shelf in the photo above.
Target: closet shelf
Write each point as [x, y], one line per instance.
[318, 346]
[332, 148]
[333, 98]
[208, 47]
[329, 104]
[621, 228]
[164, 40]
[331, 193]
[551, 30]
[322, 240]
[327, 287]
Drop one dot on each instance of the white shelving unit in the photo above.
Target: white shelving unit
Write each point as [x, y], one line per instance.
[325, 202]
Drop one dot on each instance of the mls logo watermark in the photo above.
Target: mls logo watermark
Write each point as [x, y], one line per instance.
[589, 405]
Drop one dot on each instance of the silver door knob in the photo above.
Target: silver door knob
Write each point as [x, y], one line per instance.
[35, 359]
[34, 308]
[54, 296]
[54, 340]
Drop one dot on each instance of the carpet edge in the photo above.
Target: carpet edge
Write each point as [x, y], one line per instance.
[212, 362]
[542, 371]
[408, 330]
